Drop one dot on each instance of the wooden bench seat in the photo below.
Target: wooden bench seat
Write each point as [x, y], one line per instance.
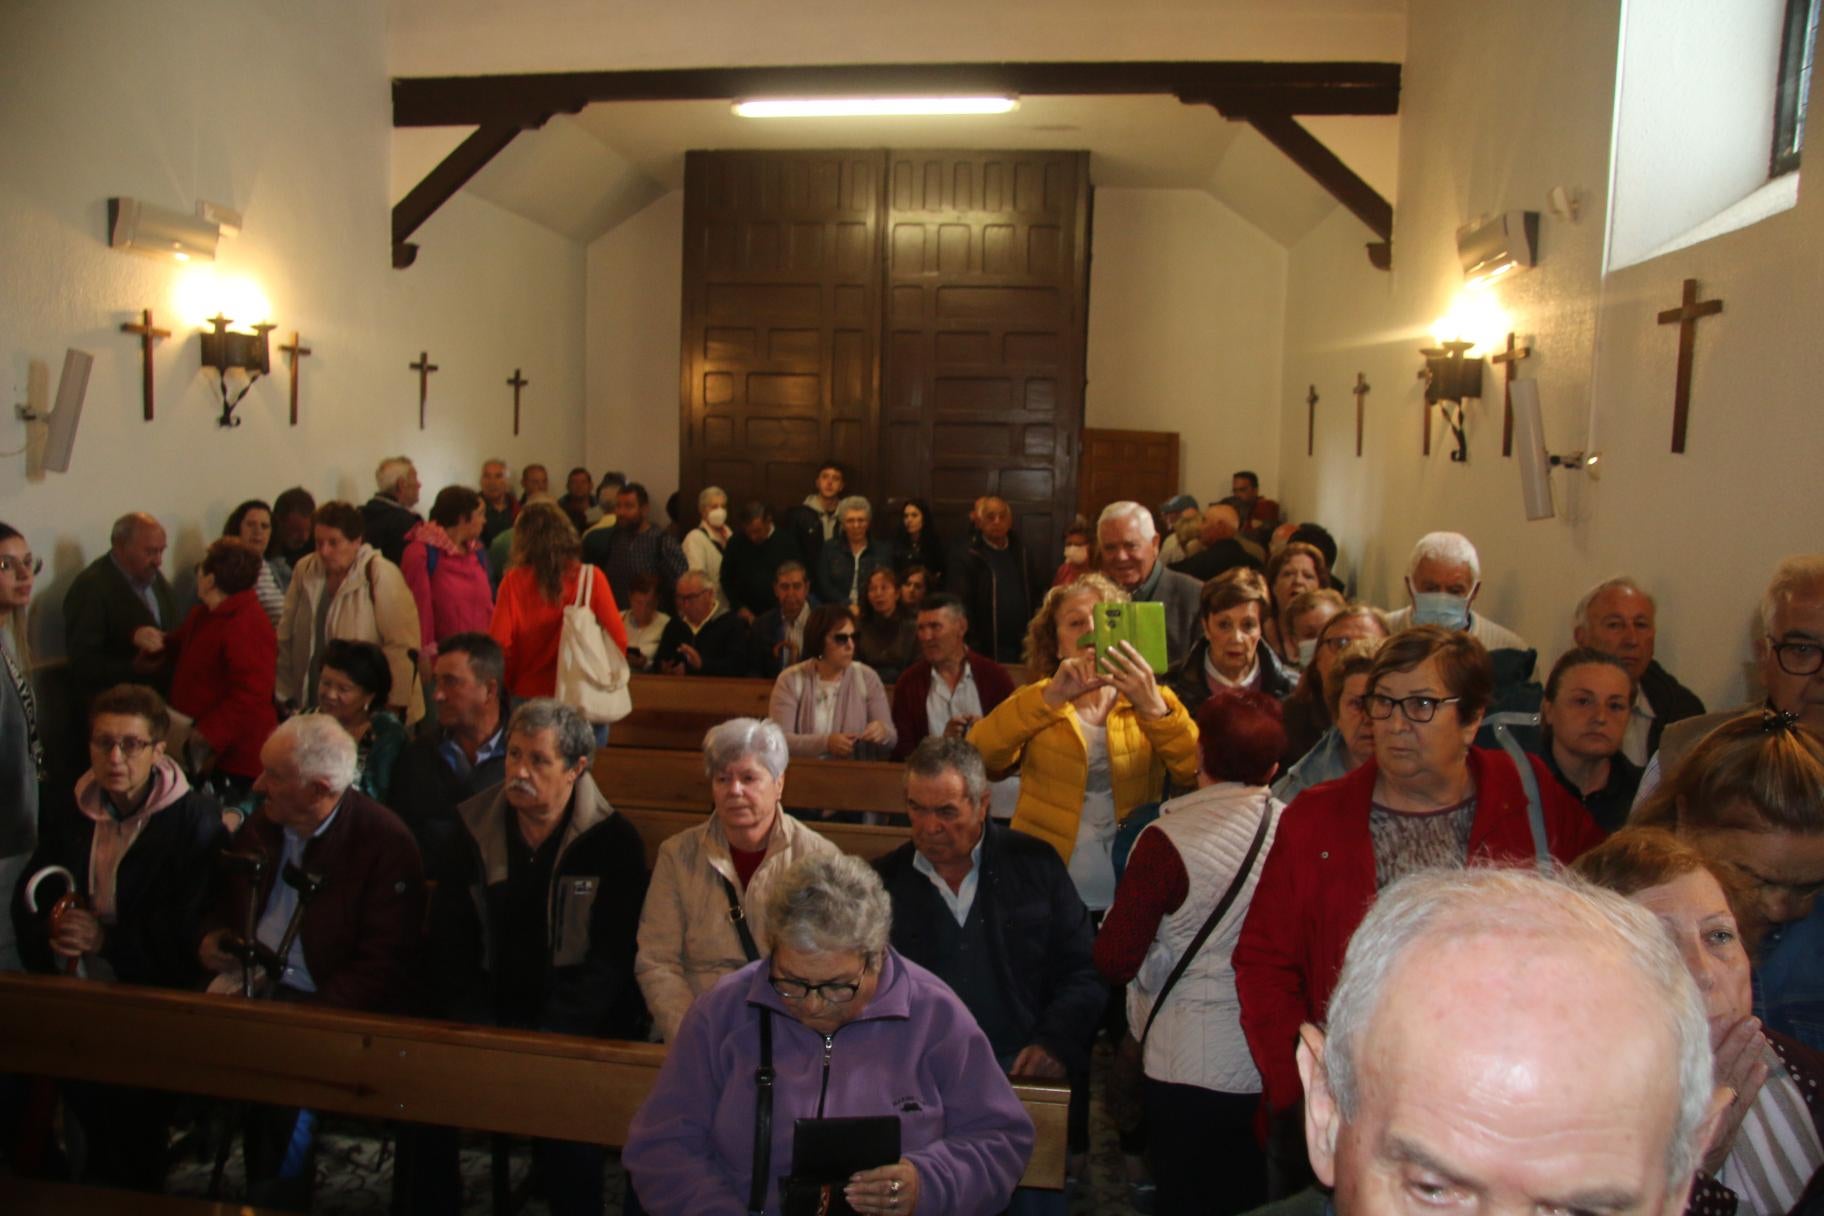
[660, 779]
[486, 1079]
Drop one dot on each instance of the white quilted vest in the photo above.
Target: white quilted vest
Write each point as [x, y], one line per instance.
[1197, 1039]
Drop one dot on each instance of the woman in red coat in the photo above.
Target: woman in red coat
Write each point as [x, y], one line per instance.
[226, 655]
[1427, 799]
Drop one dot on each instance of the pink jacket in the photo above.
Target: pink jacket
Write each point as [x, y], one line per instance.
[456, 596]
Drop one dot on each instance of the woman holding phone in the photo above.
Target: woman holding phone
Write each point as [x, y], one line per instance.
[1092, 741]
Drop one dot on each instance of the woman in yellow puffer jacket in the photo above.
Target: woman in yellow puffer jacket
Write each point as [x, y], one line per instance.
[1090, 745]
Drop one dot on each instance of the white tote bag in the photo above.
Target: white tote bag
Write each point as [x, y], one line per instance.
[592, 672]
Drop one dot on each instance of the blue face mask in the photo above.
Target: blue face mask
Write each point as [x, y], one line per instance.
[1440, 608]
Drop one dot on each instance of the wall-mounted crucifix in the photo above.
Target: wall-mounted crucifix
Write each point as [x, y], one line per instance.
[1686, 317]
[424, 367]
[1311, 400]
[1360, 390]
[517, 382]
[1511, 358]
[297, 351]
[147, 336]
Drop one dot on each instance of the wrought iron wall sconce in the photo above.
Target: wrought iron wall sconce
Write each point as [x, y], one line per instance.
[1451, 378]
[225, 351]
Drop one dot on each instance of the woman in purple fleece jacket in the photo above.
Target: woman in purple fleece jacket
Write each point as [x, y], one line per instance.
[857, 1030]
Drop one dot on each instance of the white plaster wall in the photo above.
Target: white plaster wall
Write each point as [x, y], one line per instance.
[1186, 315]
[635, 328]
[1701, 529]
[281, 111]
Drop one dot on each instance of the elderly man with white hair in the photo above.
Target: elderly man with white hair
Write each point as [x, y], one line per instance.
[341, 880]
[1444, 577]
[388, 514]
[1128, 541]
[1619, 618]
[696, 642]
[1464, 1066]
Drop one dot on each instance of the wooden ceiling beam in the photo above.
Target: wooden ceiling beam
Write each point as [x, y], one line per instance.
[441, 184]
[1309, 153]
[1236, 87]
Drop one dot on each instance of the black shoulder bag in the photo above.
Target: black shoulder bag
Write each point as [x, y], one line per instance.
[737, 916]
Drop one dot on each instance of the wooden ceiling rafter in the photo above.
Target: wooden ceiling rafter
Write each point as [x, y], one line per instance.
[1267, 96]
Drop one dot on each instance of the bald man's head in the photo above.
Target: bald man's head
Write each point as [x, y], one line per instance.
[1220, 521]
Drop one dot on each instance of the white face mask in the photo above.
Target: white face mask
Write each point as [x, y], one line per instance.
[717, 516]
[1307, 650]
[1076, 555]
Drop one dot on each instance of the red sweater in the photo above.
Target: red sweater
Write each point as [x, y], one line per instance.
[1318, 883]
[528, 626]
[226, 660]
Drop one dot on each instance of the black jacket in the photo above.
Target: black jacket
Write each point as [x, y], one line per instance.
[1037, 928]
[386, 523]
[1671, 702]
[164, 883]
[1212, 560]
[426, 791]
[597, 887]
[722, 644]
[748, 569]
[998, 614]
[1187, 679]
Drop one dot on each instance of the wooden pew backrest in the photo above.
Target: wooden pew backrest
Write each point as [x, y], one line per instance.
[486, 1079]
[657, 779]
[863, 840]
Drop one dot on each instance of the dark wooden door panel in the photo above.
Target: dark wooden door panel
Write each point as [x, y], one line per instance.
[982, 366]
[781, 317]
[1141, 466]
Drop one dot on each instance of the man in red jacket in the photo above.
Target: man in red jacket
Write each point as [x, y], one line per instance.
[949, 689]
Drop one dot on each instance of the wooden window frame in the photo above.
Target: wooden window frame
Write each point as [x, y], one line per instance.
[1792, 89]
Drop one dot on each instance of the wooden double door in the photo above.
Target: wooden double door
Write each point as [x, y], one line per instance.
[918, 315]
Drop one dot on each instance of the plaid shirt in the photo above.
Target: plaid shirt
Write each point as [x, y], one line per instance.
[624, 555]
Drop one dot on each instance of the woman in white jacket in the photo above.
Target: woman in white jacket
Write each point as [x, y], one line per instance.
[346, 590]
[1201, 1088]
[688, 937]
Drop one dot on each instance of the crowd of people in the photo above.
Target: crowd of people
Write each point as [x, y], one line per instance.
[1356, 897]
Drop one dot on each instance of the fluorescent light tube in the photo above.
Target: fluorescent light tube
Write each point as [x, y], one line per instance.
[871, 107]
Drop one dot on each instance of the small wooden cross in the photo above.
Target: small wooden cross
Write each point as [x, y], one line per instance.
[297, 351]
[1512, 359]
[147, 336]
[1360, 390]
[1686, 316]
[424, 367]
[1311, 400]
[518, 382]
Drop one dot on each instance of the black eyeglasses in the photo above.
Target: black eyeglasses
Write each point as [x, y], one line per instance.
[129, 747]
[1798, 658]
[843, 638]
[833, 992]
[1416, 709]
[22, 567]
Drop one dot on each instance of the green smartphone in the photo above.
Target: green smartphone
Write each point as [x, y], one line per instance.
[1140, 625]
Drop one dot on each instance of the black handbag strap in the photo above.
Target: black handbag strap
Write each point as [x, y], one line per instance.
[1216, 915]
[763, 1118]
[738, 917]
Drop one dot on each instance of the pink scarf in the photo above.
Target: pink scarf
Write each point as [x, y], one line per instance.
[113, 837]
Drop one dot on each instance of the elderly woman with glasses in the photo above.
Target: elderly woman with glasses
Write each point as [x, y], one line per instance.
[1427, 798]
[830, 705]
[690, 934]
[848, 1028]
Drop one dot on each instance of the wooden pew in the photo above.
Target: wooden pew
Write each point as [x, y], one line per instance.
[513, 1082]
[675, 711]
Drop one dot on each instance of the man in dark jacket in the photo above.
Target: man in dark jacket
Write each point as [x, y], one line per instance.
[755, 552]
[354, 937]
[994, 914]
[1221, 551]
[120, 592]
[697, 644]
[951, 687]
[462, 752]
[993, 576]
[777, 638]
[534, 924]
[1618, 617]
[388, 514]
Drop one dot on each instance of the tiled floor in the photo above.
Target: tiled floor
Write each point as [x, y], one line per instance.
[355, 1172]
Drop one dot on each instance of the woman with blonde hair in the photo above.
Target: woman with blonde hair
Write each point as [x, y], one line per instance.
[1750, 796]
[1291, 572]
[543, 577]
[1093, 736]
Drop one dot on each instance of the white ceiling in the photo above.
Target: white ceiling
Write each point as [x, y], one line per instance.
[581, 175]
